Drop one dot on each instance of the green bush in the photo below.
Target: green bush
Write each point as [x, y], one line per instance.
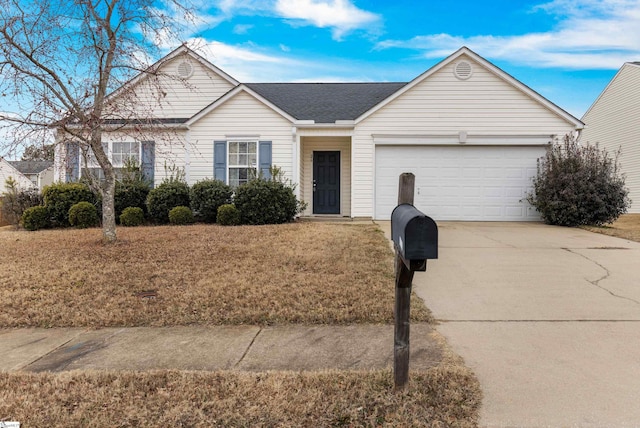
[263, 201]
[15, 200]
[165, 197]
[228, 215]
[35, 218]
[83, 215]
[132, 216]
[207, 196]
[181, 215]
[578, 185]
[60, 197]
[131, 194]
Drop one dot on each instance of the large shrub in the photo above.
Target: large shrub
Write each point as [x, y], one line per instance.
[228, 215]
[14, 201]
[132, 216]
[83, 215]
[60, 197]
[132, 188]
[207, 196]
[131, 194]
[181, 215]
[35, 218]
[263, 201]
[168, 195]
[578, 185]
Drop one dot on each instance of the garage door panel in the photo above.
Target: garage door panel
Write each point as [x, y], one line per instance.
[459, 183]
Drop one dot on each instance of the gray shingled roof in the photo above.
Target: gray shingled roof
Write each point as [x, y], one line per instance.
[31, 167]
[325, 102]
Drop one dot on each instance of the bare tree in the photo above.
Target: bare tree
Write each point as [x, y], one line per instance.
[61, 62]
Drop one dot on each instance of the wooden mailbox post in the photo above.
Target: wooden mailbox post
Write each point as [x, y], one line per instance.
[415, 238]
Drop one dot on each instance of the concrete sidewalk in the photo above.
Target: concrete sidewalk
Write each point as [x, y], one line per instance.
[212, 348]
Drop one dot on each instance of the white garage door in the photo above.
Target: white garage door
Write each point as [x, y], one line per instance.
[484, 183]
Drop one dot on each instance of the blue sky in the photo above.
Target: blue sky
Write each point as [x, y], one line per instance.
[566, 50]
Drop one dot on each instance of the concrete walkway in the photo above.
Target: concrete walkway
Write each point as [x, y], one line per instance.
[212, 348]
[547, 317]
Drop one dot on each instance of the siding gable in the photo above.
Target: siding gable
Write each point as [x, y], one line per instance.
[167, 96]
[484, 103]
[613, 122]
[241, 117]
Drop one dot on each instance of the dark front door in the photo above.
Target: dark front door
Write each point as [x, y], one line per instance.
[326, 182]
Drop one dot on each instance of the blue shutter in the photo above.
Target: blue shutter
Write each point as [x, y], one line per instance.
[72, 162]
[147, 163]
[264, 159]
[220, 160]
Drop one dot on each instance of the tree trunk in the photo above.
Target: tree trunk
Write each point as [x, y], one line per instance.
[108, 209]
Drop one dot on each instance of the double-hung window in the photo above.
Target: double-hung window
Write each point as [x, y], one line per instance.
[237, 161]
[118, 152]
[243, 162]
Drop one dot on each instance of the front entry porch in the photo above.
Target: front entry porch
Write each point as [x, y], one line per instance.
[325, 176]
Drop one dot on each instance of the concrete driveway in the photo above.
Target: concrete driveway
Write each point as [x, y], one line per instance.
[547, 317]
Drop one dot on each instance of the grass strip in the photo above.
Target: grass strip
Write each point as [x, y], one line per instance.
[441, 396]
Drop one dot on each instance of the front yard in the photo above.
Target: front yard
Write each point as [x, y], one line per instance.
[307, 273]
[310, 273]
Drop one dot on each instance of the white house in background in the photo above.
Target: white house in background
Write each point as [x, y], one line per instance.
[613, 121]
[39, 172]
[7, 170]
[469, 132]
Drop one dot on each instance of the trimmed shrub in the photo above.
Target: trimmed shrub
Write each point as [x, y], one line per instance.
[131, 194]
[165, 197]
[207, 196]
[578, 185]
[35, 218]
[14, 201]
[263, 201]
[60, 197]
[181, 215]
[228, 215]
[132, 216]
[83, 215]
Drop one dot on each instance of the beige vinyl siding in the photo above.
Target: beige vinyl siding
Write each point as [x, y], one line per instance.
[341, 144]
[7, 170]
[167, 96]
[241, 116]
[441, 104]
[614, 123]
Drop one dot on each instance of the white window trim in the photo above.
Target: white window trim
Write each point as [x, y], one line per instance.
[228, 160]
[88, 158]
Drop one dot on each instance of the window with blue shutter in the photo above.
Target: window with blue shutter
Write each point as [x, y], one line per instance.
[72, 161]
[147, 162]
[220, 160]
[264, 157]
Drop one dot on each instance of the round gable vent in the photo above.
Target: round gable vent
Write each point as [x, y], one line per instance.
[463, 70]
[185, 70]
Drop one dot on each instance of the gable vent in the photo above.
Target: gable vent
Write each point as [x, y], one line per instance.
[463, 70]
[185, 70]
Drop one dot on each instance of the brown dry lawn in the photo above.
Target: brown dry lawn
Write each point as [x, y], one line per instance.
[627, 227]
[312, 273]
[442, 396]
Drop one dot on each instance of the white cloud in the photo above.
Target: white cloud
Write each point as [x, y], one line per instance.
[341, 16]
[242, 28]
[249, 63]
[589, 35]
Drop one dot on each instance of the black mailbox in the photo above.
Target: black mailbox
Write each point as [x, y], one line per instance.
[415, 236]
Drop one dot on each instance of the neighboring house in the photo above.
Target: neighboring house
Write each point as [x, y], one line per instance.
[39, 172]
[613, 122]
[7, 170]
[470, 133]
